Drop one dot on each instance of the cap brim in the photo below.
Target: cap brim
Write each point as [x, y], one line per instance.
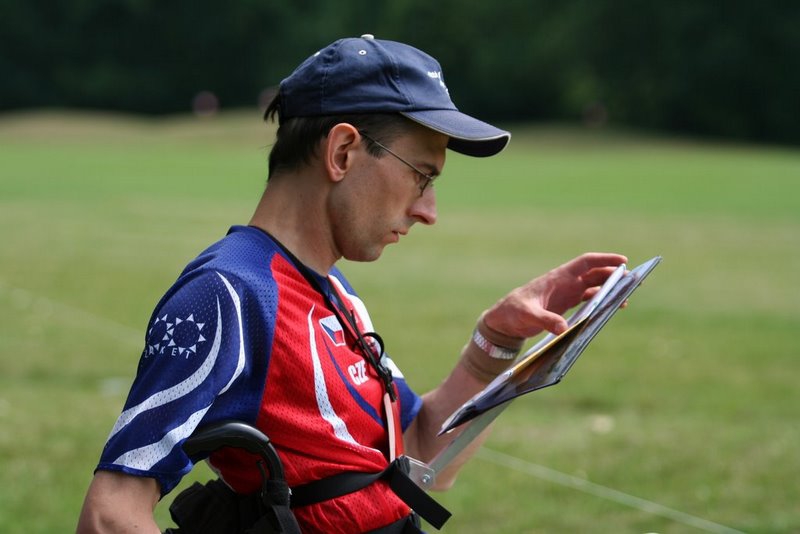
[468, 135]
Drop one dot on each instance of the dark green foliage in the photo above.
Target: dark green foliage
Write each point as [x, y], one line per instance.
[709, 68]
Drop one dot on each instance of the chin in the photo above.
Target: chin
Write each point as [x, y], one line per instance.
[365, 255]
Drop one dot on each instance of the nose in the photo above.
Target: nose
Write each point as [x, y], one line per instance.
[424, 207]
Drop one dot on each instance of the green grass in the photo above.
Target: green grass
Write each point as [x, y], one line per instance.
[687, 399]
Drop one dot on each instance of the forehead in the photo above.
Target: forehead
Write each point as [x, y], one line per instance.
[423, 141]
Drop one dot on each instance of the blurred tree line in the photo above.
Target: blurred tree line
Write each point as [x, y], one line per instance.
[723, 68]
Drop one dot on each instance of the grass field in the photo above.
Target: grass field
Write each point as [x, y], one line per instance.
[682, 416]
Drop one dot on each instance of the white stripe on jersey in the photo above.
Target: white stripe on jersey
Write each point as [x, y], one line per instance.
[177, 391]
[238, 305]
[366, 322]
[144, 458]
[321, 390]
[196, 379]
[358, 304]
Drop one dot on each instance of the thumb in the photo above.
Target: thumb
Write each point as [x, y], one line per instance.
[553, 322]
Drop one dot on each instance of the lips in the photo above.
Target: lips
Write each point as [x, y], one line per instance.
[397, 233]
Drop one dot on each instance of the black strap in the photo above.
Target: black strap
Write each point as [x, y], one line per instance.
[275, 498]
[213, 508]
[334, 486]
[405, 525]
[399, 482]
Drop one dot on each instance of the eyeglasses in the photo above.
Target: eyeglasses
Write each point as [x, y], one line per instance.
[425, 179]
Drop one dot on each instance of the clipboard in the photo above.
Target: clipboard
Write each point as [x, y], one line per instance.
[545, 364]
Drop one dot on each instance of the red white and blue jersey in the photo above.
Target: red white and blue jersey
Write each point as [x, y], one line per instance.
[243, 335]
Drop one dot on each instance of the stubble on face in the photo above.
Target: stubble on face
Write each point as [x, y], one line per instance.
[359, 228]
[374, 204]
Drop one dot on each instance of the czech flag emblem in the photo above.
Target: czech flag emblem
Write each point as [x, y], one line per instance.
[331, 326]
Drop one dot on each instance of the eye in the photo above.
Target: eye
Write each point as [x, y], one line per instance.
[424, 181]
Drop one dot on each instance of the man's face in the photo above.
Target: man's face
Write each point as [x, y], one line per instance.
[380, 198]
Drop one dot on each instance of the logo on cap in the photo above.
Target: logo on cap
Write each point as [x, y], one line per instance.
[437, 75]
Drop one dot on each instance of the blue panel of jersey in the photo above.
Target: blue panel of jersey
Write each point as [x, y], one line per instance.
[205, 358]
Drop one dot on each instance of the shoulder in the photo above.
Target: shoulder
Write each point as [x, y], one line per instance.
[222, 301]
[237, 267]
[243, 250]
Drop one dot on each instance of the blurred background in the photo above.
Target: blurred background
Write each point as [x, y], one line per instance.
[724, 69]
[130, 139]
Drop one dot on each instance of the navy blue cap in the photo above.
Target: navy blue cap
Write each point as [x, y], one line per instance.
[368, 75]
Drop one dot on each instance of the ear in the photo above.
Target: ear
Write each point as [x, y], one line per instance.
[338, 150]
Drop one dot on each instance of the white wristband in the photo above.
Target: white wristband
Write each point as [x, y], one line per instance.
[494, 351]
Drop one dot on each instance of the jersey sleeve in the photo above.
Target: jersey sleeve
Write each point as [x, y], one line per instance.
[194, 354]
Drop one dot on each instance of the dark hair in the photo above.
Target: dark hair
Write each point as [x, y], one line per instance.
[297, 138]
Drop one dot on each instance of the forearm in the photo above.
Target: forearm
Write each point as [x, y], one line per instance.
[421, 439]
[120, 504]
[474, 370]
[521, 314]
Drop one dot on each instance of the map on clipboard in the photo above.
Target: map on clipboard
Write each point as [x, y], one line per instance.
[546, 363]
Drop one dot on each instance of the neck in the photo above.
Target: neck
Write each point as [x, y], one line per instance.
[295, 216]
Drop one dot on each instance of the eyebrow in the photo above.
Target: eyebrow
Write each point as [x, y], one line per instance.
[427, 168]
[432, 169]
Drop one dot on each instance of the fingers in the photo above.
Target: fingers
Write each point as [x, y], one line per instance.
[540, 303]
[593, 269]
[597, 276]
[522, 319]
[592, 260]
[589, 293]
[542, 319]
[553, 322]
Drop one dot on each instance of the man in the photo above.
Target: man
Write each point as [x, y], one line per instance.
[263, 328]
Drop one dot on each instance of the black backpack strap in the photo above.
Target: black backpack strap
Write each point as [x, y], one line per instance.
[396, 474]
[270, 509]
[267, 511]
[275, 513]
[405, 525]
[332, 487]
[414, 496]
